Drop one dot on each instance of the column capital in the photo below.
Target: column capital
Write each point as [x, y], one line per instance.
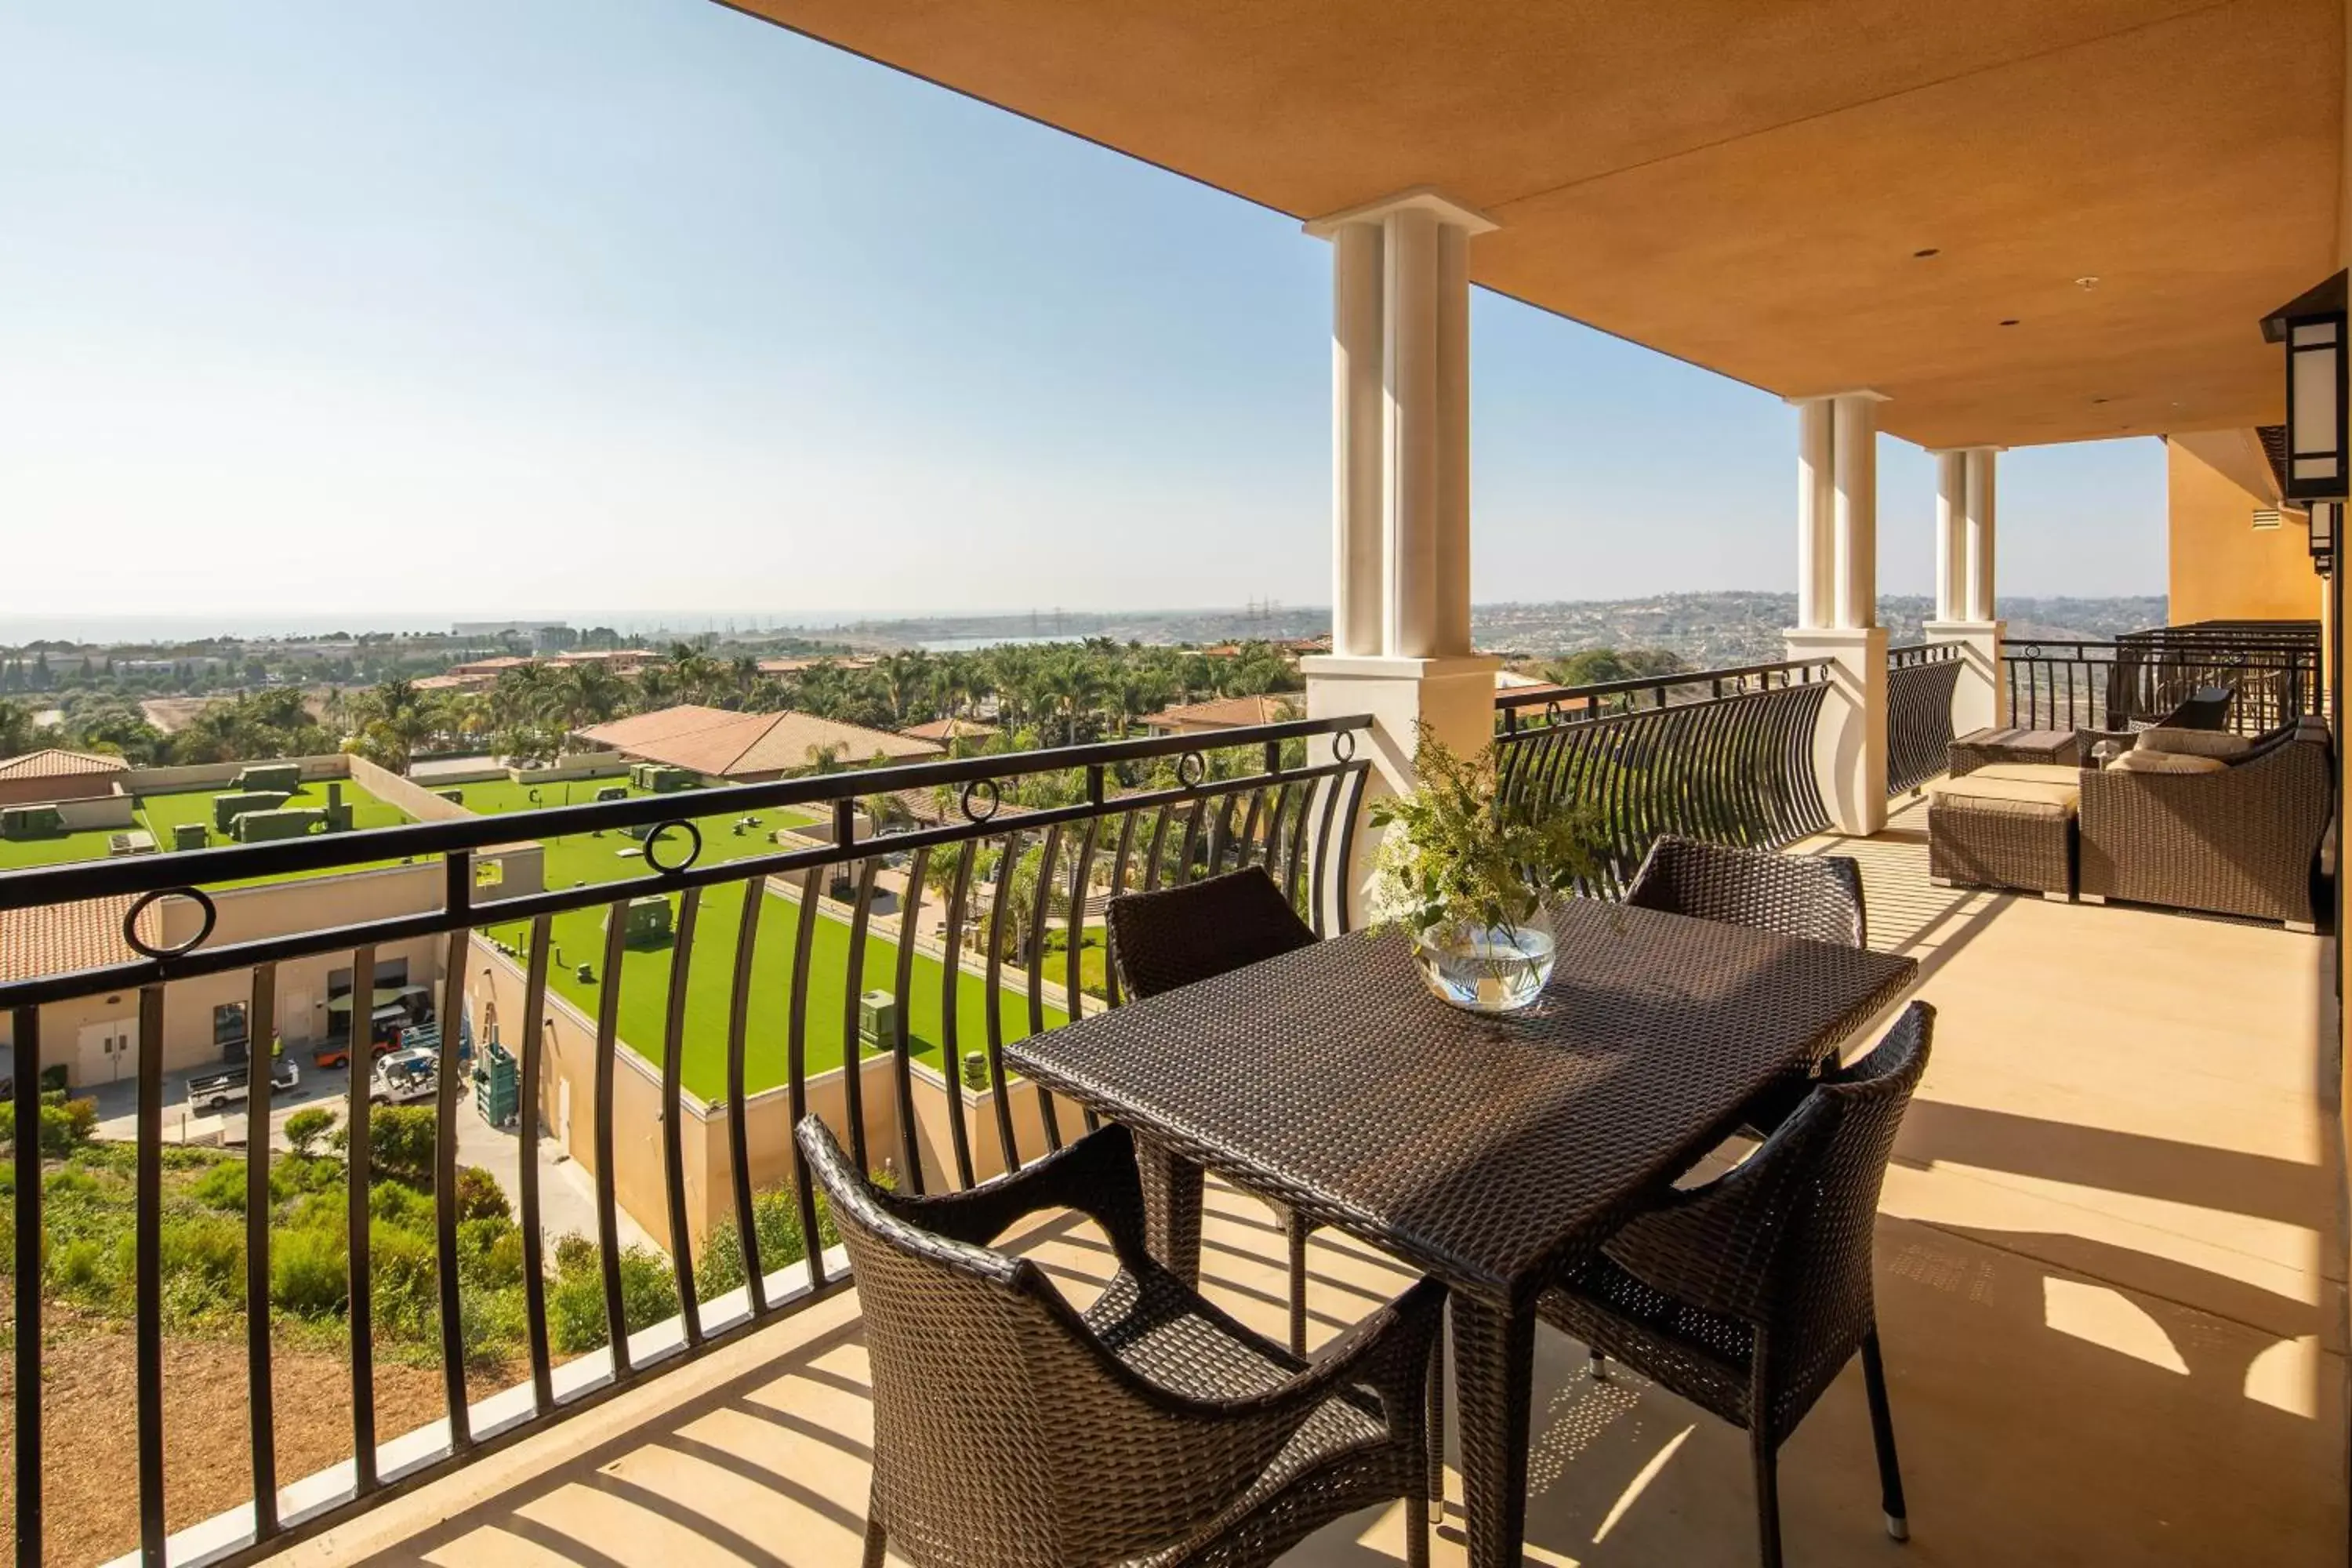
[1866, 394]
[1418, 199]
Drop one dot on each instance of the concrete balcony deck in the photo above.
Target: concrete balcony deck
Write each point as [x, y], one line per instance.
[2110, 1272]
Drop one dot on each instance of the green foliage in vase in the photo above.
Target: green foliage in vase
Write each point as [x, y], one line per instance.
[1460, 851]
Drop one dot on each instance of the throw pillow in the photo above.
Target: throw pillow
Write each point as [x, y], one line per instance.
[2195, 743]
[2139, 762]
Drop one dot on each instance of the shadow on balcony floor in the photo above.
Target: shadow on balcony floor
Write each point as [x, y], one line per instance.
[2109, 1278]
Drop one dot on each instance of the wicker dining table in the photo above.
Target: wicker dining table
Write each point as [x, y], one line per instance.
[1484, 1151]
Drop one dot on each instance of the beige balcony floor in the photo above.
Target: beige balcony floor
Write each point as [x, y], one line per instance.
[2108, 1273]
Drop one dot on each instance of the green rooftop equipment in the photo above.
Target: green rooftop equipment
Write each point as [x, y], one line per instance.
[262, 827]
[31, 822]
[612, 791]
[877, 1019]
[284, 778]
[338, 811]
[227, 807]
[190, 835]
[647, 921]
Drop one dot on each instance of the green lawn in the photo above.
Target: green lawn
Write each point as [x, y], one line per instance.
[159, 814]
[580, 859]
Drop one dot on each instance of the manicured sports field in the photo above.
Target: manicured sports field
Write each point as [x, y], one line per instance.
[579, 938]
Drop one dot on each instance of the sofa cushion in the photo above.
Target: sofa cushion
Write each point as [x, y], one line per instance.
[2138, 761]
[2030, 773]
[2024, 797]
[2195, 743]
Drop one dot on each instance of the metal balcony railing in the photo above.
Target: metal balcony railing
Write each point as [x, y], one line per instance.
[1098, 820]
[2272, 668]
[1920, 677]
[1725, 755]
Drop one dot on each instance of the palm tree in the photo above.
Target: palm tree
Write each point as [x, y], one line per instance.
[824, 759]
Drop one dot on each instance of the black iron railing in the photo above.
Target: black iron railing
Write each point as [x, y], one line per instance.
[1725, 755]
[1920, 677]
[2271, 669]
[1131, 814]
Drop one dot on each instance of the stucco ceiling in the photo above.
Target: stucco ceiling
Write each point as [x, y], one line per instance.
[1749, 185]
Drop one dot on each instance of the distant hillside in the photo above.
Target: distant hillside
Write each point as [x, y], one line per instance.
[1717, 630]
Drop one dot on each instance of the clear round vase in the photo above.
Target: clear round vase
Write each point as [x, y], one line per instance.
[1488, 969]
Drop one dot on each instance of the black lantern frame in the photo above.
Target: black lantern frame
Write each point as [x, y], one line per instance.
[2318, 455]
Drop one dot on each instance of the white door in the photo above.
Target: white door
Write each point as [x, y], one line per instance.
[107, 1051]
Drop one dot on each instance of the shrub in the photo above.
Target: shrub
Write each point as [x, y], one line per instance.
[398, 1204]
[776, 1221]
[67, 1125]
[402, 1289]
[310, 1272]
[575, 1302]
[400, 1143]
[53, 1078]
[490, 1327]
[80, 1268]
[489, 1254]
[202, 1261]
[479, 1197]
[306, 1127]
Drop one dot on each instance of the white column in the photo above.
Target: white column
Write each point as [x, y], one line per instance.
[1980, 533]
[1401, 488]
[1838, 603]
[1357, 457]
[1412, 435]
[1854, 463]
[1965, 598]
[1816, 513]
[1452, 575]
[1951, 535]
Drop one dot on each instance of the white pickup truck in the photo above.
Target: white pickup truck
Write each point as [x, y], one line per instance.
[219, 1091]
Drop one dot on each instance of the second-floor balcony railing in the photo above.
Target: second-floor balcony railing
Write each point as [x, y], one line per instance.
[874, 977]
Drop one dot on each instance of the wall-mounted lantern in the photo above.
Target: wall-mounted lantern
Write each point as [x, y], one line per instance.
[2327, 517]
[2312, 326]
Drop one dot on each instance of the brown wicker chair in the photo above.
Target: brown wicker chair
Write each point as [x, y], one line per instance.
[1013, 1431]
[1816, 897]
[1175, 936]
[1749, 1295]
[2243, 841]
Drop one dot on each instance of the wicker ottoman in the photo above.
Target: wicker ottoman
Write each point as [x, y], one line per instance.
[1987, 830]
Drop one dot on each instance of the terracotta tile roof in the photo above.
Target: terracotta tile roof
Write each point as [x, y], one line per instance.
[1228, 712]
[54, 764]
[60, 939]
[938, 731]
[722, 745]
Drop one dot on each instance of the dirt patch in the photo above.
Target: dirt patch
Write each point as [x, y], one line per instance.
[89, 1411]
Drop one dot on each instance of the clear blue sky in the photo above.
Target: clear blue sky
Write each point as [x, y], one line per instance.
[568, 306]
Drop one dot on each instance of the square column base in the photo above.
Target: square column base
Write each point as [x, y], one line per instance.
[1980, 695]
[1454, 696]
[1850, 738]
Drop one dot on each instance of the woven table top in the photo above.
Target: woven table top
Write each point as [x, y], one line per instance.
[1482, 1149]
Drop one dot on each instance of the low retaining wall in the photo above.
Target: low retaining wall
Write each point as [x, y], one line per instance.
[406, 794]
[218, 775]
[571, 765]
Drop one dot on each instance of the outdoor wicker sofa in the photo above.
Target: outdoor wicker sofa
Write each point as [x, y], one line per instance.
[1013, 1431]
[2241, 840]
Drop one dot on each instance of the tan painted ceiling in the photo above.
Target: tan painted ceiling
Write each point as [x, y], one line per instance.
[1743, 184]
